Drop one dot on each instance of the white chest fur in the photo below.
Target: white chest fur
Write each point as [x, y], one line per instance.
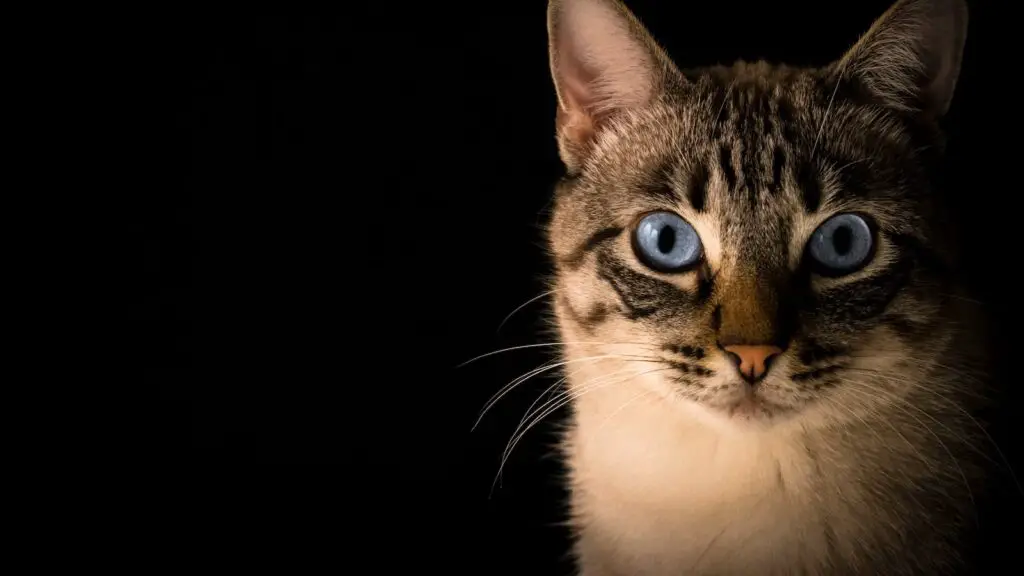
[659, 489]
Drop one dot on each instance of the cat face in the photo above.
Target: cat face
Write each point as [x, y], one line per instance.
[765, 241]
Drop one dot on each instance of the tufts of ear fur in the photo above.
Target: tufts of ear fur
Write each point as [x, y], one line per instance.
[910, 58]
[603, 62]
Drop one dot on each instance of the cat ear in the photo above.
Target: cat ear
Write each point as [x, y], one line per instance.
[603, 62]
[910, 58]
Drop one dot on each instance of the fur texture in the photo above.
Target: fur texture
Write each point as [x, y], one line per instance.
[851, 454]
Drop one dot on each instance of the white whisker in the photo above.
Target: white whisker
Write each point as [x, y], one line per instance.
[828, 110]
[549, 345]
[725, 99]
[524, 305]
[857, 386]
[524, 377]
[937, 395]
[635, 397]
[504, 390]
[555, 404]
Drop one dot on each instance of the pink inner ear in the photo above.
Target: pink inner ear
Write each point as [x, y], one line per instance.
[603, 66]
[577, 82]
[575, 125]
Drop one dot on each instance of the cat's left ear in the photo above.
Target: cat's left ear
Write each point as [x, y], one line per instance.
[910, 58]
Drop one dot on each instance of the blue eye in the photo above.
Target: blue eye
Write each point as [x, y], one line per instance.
[842, 244]
[666, 243]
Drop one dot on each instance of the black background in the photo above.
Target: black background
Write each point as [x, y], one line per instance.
[357, 205]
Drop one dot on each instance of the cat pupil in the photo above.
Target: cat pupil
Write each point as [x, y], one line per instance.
[842, 240]
[666, 239]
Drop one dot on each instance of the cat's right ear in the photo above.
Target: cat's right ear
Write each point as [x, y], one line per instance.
[603, 62]
[910, 58]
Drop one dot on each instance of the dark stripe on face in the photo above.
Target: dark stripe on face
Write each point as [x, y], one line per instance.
[641, 295]
[812, 352]
[693, 352]
[809, 182]
[705, 282]
[869, 297]
[575, 259]
[778, 165]
[697, 189]
[725, 165]
[661, 188]
[591, 319]
[751, 170]
[750, 164]
[785, 120]
[687, 368]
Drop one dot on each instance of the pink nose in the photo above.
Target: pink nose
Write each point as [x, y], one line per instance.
[752, 361]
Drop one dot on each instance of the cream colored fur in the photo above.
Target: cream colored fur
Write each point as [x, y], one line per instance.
[659, 482]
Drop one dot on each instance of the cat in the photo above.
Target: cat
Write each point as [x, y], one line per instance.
[771, 364]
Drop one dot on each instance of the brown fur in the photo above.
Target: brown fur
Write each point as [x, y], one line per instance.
[851, 456]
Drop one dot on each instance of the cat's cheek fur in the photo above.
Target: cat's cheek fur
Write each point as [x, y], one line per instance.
[585, 301]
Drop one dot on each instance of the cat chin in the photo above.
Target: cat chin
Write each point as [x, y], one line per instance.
[748, 408]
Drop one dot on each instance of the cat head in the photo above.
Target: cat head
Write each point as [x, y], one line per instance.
[759, 239]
